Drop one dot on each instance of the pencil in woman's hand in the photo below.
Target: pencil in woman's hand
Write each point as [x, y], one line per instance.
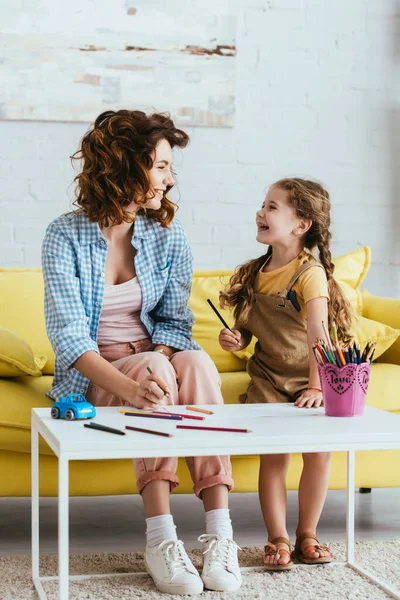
[165, 391]
[220, 317]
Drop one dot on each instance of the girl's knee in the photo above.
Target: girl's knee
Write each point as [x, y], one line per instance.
[317, 458]
[275, 460]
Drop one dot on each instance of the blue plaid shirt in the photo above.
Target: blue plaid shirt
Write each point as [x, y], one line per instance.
[73, 258]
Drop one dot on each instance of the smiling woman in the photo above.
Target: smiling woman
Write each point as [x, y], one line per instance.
[118, 274]
[122, 155]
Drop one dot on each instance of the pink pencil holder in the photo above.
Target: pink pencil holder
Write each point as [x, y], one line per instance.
[344, 389]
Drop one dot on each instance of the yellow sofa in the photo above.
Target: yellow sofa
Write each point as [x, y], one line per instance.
[21, 312]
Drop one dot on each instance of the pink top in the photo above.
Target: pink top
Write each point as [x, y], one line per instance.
[120, 314]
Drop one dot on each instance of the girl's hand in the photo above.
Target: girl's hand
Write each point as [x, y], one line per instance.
[148, 393]
[230, 340]
[309, 399]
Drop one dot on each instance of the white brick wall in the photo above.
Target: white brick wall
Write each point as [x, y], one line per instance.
[317, 89]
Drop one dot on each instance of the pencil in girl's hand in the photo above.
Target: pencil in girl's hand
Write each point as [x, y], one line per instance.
[220, 317]
[200, 410]
[162, 433]
[165, 391]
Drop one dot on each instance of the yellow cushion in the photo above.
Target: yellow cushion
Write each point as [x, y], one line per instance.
[16, 356]
[207, 284]
[366, 330]
[350, 270]
[22, 310]
[386, 310]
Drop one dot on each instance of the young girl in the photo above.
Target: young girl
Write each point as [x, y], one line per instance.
[282, 298]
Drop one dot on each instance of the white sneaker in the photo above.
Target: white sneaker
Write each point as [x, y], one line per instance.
[221, 570]
[171, 569]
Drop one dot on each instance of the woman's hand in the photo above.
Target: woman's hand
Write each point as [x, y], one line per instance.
[148, 393]
[230, 340]
[309, 399]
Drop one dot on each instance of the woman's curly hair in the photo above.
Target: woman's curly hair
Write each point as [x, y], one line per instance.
[116, 155]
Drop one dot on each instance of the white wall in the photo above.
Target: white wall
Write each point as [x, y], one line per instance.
[317, 89]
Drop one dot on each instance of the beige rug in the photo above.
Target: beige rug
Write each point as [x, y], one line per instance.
[305, 583]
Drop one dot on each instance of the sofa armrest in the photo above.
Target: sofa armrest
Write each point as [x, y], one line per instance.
[384, 310]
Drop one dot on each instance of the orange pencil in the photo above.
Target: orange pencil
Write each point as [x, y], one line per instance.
[200, 410]
[340, 353]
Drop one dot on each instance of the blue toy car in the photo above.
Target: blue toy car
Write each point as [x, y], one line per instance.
[73, 406]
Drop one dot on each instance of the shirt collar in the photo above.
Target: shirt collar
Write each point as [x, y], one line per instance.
[90, 233]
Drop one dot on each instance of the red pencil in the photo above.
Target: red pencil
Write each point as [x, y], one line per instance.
[213, 428]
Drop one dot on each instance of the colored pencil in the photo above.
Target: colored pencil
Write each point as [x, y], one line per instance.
[169, 417]
[165, 391]
[159, 412]
[334, 333]
[204, 428]
[340, 352]
[220, 317]
[200, 410]
[99, 427]
[162, 433]
[327, 336]
[358, 353]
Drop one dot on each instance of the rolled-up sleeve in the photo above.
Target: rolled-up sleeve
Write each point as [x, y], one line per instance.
[67, 324]
[172, 316]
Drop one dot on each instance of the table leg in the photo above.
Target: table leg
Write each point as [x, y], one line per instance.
[350, 507]
[394, 593]
[35, 501]
[63, 527]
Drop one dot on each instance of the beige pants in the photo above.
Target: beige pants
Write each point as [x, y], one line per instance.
[192, 378]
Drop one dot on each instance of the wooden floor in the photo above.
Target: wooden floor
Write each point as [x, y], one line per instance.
[116, 523]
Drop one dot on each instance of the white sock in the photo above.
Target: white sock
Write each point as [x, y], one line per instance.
[159, 529]
[218, 522]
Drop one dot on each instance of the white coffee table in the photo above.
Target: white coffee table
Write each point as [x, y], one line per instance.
[276, 428]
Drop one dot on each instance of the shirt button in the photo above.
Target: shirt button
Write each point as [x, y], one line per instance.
[102, 243]
[97, 303]
[102, 274]
[82, 390]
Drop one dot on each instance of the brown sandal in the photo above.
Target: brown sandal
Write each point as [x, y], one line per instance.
[303, 555]
[270, 549]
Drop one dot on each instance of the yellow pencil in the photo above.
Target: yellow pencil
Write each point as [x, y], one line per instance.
[334, 334]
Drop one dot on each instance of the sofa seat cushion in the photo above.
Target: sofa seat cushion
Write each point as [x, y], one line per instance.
[234, 384]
